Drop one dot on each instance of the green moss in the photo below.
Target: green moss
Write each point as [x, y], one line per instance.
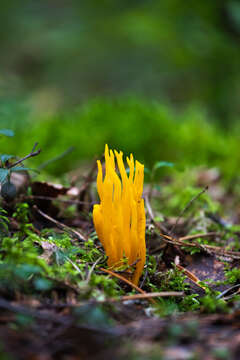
[142, 127]
[233, 275]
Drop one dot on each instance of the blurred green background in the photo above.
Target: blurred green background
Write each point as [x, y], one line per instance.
[157, 78]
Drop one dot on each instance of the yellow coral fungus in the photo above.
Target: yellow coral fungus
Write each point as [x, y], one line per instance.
[119, 219]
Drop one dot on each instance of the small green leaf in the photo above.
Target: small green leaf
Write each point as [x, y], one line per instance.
[7, 132]
[60, 256]
[24, 319]
[5, 157]
[159, 218]
[3, 175]
[161, 164]
[43, 284]
[157, 187]
[26, 270]
[92, 315]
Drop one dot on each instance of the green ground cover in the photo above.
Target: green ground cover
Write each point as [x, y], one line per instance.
[152, 131]
[183, 153]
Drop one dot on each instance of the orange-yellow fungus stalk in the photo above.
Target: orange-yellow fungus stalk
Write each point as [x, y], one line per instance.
[120, 219]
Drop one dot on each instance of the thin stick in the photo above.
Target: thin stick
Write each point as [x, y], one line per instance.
[147, 296]
[237, 286]
[58, 157]
[208, 248]
[32, 153]
[196, 236]
[187, 207]
[191, 276]
[75, 233]
[126, 281]
[184, 238]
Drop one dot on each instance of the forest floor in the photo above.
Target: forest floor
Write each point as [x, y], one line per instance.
[57, 300]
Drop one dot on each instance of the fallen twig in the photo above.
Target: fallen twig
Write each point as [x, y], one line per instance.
[196, 236]
[147, 296]
[190, 276]
[126, 281]
[75, 233]
[184, 238]
[222, 295]
[210, 249]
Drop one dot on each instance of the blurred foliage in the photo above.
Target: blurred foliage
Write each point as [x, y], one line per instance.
[152, 131]
[55, 54]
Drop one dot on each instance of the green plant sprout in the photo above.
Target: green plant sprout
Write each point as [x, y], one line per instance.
[8, 188]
